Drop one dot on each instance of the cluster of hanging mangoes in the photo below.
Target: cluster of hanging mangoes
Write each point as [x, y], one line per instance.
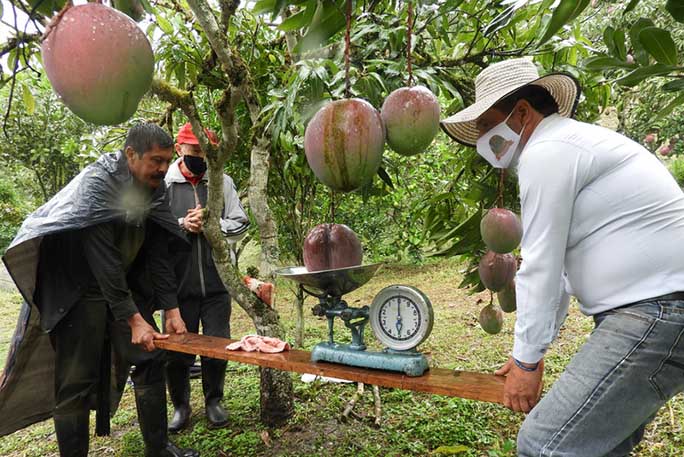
[501, 231]
[345, 139]
[344, 143]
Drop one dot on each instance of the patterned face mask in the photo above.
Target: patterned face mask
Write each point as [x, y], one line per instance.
[499, 145]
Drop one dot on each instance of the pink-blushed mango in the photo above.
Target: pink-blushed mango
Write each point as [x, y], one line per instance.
[411, 117]
[491, 319]
[506, 297]
[331, 246]
[497, 270]
[501, 230]
[131, 8]
[344, 143]
[99, 62]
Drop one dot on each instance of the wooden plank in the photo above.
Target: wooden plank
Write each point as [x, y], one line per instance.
[453, 383]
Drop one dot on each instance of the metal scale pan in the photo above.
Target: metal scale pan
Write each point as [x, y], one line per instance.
[333, 283]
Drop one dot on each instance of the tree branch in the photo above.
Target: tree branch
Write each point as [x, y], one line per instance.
[18, 39]
[217, 39]
[228, 8]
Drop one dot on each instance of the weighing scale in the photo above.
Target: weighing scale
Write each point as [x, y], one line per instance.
[400, 316]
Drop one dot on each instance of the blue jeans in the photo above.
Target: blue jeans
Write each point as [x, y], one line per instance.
[632, 364]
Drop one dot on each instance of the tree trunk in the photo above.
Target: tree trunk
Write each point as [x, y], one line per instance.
[258, 202]
[277, 403]
[276, 396]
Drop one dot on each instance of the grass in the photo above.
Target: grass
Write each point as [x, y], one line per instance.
[413, 424]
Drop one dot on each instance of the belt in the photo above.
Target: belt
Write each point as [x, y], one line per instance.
[667, 297]
[671, 296]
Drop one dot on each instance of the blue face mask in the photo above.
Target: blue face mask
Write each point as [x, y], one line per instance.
[196, 165]
[499, 145]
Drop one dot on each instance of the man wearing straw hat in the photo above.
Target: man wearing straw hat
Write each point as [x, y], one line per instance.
[603, 220]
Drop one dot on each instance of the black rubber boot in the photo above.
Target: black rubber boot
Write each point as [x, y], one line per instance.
[172, 451]
[178, 380]
[72, 434]
[213, 378]
[150, 401]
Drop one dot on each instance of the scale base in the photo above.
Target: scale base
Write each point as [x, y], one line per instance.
[409, 363]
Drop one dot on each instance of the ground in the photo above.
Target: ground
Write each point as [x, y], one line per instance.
[413, 424]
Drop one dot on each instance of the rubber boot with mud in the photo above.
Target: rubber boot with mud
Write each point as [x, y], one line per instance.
[150, 401]
[178, 380]
[213, 378]
[72, 434]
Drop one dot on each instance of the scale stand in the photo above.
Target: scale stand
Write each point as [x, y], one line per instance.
[329, 286]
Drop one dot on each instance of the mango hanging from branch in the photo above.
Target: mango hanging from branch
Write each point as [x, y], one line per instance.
[99, 62]
[344, 143]
[411, 117]
[501, 230]
[491, 319]
[497, 270]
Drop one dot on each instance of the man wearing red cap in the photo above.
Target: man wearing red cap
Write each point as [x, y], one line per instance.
[201, 293]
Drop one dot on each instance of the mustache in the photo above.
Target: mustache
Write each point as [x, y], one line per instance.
[158, 176]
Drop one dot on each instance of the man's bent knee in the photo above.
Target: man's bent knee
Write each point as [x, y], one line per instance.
[531, 439]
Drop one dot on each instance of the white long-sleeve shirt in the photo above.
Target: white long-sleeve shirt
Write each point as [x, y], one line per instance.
[603, 220]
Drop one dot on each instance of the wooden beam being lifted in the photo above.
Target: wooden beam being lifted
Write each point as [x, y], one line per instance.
[453, 383]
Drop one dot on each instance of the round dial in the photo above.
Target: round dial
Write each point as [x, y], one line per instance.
[401, 317]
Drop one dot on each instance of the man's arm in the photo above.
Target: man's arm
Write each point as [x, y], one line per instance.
[234, 220]
[104, 260]
[550, 175]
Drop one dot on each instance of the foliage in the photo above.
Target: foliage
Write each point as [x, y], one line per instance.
[13, 209]
[45, 138]
[676, 167]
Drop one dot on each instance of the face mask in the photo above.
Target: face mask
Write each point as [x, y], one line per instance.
[499, 145]
[196, 165]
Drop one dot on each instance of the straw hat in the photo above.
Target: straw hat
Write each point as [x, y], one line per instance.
[501, 79]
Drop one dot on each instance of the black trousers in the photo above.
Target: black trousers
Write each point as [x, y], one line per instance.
[78, 340]
[213, 312]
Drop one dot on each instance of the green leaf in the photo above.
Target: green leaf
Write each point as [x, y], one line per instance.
[500, 21]
[299, 20]
[663, 113]
[631, 6]
[620, 46]
[677, 84]
[278, 8]
[29, 101]
[451, 450]
[676, 9]
[263, 6]
[147, 7]
[600, 63]
[608, 38]
[638, 75]
[640, 54]
[164, 25]
[327, 21]
[659, 44]
[565, 12]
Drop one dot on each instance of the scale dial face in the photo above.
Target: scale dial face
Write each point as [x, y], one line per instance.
[401, 317]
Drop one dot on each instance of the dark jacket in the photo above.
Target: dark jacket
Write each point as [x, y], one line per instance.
[195, 269]
[99, 196]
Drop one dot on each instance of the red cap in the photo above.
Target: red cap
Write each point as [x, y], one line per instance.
[185, 135]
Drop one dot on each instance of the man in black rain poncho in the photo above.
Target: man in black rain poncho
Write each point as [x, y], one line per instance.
[92, 265]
